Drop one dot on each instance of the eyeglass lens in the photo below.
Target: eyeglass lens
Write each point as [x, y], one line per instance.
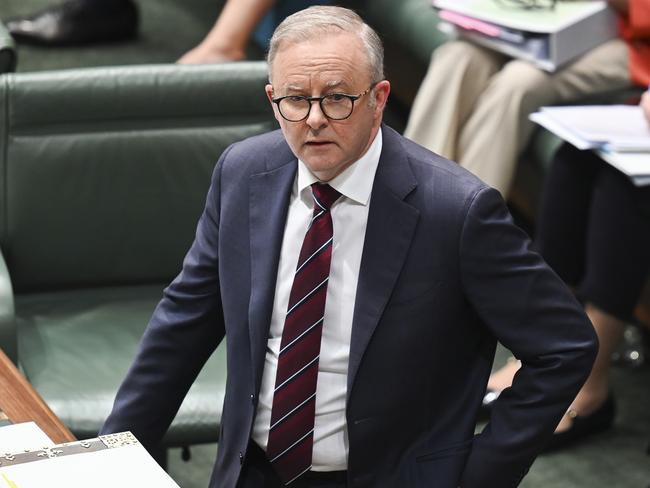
[334, 106]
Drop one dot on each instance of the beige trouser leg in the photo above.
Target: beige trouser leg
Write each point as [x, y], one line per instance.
[489, 139]
[458, 73]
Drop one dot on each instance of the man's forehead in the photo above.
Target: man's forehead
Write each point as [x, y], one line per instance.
[344, 43]
[330, 62]
[300, 83]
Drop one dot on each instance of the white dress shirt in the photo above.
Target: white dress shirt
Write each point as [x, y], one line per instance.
[349, 217]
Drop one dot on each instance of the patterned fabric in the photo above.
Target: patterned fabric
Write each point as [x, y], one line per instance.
[291, 432]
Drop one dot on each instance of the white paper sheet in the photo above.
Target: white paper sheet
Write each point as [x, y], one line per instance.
[542, 20]
[616, 127]
[21, 437]
[635, 165]
[124, 467]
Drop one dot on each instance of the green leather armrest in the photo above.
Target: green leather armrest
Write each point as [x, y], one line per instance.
[7, 51]
[7, 319]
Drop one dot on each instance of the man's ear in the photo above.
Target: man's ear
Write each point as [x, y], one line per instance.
[381, 92]
[269, 94]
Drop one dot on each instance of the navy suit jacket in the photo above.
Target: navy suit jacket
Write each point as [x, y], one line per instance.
[444, 274]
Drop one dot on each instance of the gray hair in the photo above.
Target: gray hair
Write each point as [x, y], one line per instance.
[316, 21]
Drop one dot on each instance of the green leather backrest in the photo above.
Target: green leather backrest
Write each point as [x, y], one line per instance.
[7, 51]
[104, 171]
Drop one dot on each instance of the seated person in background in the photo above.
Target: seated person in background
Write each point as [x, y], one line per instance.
[237, 22]
[594, 231]
[78, 22]
[473, 104]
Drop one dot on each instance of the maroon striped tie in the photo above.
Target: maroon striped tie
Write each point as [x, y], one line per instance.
[291, 435]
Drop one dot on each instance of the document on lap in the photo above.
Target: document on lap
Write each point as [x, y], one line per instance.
[104, 462]
[546, 37]
[620, 128]
[618, 133]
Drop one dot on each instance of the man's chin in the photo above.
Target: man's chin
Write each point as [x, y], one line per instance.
[323, 168]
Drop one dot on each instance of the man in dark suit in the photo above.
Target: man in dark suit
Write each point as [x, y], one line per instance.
[361, 282]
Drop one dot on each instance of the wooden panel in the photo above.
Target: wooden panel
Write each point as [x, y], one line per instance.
[21, 403]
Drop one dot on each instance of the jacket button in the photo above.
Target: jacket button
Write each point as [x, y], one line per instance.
[253, 399]
[241, 458]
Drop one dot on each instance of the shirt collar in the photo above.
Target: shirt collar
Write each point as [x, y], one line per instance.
[355, 182]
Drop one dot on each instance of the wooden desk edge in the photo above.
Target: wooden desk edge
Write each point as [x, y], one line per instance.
[22, 403]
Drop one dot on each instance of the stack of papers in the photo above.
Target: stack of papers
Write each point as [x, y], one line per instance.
[123, 467]
[611, 127]
[22, 437]
[548, 38]
[619, 133]
[564, 15]
[116, 460]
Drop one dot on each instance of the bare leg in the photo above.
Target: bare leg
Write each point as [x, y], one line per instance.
[502, 378]
[227, 40]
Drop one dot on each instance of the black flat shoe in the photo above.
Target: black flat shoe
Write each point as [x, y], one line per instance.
[76, 22]
[599, 420]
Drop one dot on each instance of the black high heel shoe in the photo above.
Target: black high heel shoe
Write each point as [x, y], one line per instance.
[583, 426]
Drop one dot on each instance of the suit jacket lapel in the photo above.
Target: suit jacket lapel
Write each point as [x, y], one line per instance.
[391, 223]
[269, 204]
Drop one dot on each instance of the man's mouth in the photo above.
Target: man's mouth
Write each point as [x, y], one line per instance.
[318, 143]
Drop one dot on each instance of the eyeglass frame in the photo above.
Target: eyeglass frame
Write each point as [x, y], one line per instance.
[352, 98]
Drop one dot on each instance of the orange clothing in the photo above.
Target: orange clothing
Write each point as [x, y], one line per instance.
[635, 30]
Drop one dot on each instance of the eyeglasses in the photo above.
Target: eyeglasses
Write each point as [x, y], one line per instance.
[528, 4]
[335, 106]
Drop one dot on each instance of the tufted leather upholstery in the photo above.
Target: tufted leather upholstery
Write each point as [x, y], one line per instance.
[103, 175]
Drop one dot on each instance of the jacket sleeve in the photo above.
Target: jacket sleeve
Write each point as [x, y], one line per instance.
[531, 312]
[186, 327]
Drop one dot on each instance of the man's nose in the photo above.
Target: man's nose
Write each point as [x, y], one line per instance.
[316, 118]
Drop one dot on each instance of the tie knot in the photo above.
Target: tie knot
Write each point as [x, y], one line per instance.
[324, 195]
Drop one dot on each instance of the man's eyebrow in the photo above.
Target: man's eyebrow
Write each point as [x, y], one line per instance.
[336, 84]
[288, 88]
[293, 88]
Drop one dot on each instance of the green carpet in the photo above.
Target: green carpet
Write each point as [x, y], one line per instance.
[171, 27]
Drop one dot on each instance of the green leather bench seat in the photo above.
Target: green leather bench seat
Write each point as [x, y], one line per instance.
[81, 343]
[103, 176]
